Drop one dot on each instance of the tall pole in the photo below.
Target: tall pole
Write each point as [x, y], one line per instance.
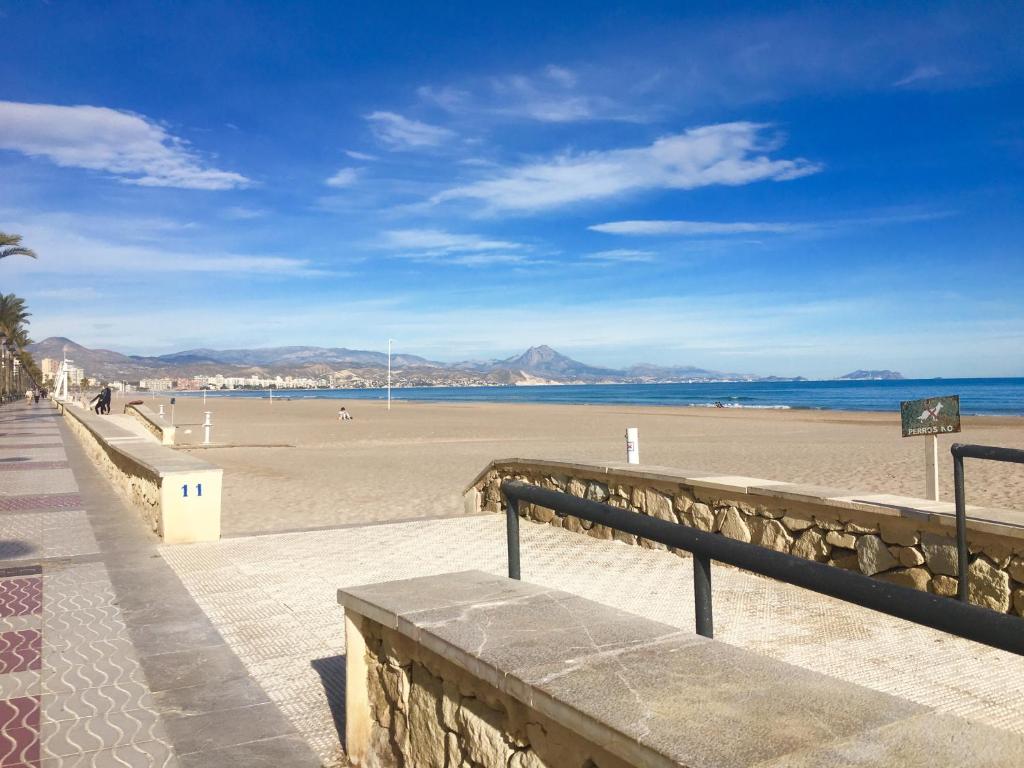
[389, 374]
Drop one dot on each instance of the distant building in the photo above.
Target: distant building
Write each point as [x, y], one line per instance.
[49, 367]
[156, 385]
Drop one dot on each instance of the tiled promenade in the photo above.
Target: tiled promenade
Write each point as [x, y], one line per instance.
[117, 651]
[105, 659]
[274, 599]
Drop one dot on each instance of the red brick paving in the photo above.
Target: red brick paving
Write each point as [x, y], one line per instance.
[19, 748]
[21, 650]
[21, 597]
[22, 712]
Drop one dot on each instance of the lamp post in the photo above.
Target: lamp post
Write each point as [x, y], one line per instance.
[389, 373]
[3, 368]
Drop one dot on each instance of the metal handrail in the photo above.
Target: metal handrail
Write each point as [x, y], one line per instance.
[962, 619]
[960, 452]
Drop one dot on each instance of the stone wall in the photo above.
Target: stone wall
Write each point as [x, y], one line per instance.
[179, 496]
[427, 712]
[895, 542]
[141, 489]
[164, 433]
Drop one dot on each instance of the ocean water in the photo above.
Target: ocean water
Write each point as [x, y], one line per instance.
[977, 396]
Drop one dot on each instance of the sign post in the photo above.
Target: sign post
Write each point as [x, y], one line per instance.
[929, 418]
[632, 445]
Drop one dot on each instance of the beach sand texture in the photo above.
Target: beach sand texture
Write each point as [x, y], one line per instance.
[416, 460]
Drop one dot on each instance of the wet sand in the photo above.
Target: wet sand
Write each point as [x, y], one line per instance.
[416, 460]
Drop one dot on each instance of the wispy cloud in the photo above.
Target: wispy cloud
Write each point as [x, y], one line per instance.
[360, 155]
[726, 154]
[345, 177]
[620, 256]
[920, 73]
[663, 227]
[439, 241]
[400, 132]
[128, 146]
[469, 250]
[470, 259]
[73, 250]
[242, 213]
[553, 95]
[83, 293]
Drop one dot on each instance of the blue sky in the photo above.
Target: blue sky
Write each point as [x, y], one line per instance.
[793, 190]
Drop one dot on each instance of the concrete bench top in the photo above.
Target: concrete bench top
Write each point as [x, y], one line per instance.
[655, 695]
[1000, 522]
[159, 460]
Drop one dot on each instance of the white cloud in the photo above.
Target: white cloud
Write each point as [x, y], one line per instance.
[435, 245]
[83, 293]
[129, 146]
[440, 242]
[725, 154]
[550, 96]
[470, 259]
[360, 155]
[620, 256]
[923, 72]
[240, 212]
[402, 133]
[661, 227]
[66, 249]
[345, 177]
[878, 218]
[564, 77]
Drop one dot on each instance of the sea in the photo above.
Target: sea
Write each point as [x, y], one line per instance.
[977, 396]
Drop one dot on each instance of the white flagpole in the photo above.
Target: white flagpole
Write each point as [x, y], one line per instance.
[389, 374]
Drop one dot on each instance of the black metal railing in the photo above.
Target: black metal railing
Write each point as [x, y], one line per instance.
[960, 452]
[957, 618]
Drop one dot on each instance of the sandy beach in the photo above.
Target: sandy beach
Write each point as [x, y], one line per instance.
[292, 465]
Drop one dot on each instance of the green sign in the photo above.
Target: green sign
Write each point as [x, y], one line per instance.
[931, 416]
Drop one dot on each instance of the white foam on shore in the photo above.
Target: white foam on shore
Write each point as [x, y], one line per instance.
[740, 405]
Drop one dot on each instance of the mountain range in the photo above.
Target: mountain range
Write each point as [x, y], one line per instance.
[540, 364]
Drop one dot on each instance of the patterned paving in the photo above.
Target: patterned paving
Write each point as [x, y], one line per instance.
[26, 502]
[33, 465]
[274, 600]
[72, 692]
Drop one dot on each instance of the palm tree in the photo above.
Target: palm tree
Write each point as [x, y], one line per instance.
[13, 314]
[10, 245]
[14, 338]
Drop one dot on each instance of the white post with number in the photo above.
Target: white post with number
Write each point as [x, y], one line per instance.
[931, 467]
[206, 428]
[632, 445]
[161, 412]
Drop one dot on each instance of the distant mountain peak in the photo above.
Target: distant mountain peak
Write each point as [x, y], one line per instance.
[879, 375]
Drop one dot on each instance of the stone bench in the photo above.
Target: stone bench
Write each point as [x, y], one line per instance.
[178, 495]
[469, 668]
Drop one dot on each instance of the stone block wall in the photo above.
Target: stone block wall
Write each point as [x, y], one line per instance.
[141, 489]
[907, 551]
[164, 433]
[427, 712]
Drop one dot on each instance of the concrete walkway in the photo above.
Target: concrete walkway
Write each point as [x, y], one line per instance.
[273, 599]
[115, 650]
[105, 659]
